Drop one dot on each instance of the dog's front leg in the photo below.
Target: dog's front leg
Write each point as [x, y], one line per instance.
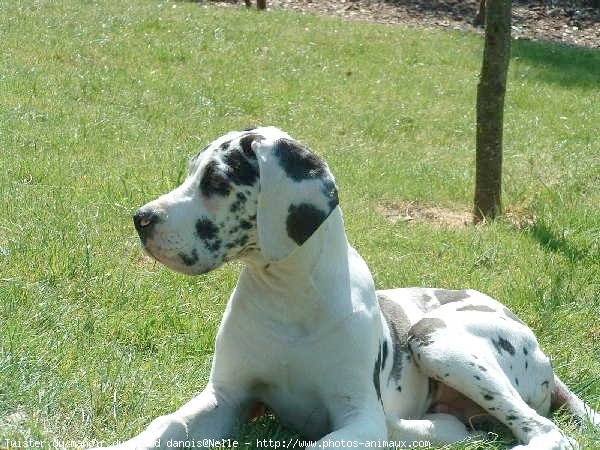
[209, 417]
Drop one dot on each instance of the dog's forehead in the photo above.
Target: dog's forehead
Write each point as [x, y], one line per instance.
[221, 141]
[207, 152]
[216, 147]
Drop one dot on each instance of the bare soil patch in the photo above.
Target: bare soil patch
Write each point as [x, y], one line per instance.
[573, 22]
[443, 217]
[413, 212]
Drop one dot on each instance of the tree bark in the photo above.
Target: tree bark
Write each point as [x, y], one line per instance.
[490, 108]
[480, 16]
[261, 4]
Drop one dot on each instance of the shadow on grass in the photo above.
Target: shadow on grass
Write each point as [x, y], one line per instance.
[556, 63]
[550, 241]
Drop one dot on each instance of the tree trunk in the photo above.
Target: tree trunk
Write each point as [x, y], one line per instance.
[261, 4]
[490, 108]
[480, 16]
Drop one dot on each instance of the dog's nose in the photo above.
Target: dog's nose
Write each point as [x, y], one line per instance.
[144, 220]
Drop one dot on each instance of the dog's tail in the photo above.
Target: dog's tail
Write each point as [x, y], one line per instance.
[563, 396]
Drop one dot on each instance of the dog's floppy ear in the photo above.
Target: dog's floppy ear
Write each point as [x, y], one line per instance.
[297, 193]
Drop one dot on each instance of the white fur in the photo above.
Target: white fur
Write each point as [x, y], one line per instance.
[303, 329]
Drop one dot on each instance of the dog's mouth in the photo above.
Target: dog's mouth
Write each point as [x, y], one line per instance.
[147, 251]
[152, 254]
[175, 264]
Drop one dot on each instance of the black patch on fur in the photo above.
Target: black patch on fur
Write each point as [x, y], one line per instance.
[214, 181]
[525, 351]
[445, 296]
[483, 369]
[503, 344]
[512, 316]
[526, 429]
[213, 245]
[488, 397]
[206, 229]
[477, 377]
[246, 144]
[511, 417]
[245, 225]
[424, 301]
[225, 145]
[330, 191]
[239, 170]
[376, 373]
[250, 128]
[480, 308]
[432, 388]
[191, 259]
[398, 325]
[516, 381]
[240, 200]
[384, 354]
[422, 330]
[298, 162]
[399, 388]
[302, 221]
[546, 384]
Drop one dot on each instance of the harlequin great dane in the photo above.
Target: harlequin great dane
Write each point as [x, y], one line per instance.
[305, 332]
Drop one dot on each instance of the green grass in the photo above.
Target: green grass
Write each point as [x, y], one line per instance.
[101, 104]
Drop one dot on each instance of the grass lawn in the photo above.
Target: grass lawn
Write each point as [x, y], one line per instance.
[102, 103]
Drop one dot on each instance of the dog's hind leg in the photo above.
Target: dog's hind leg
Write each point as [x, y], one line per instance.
[480, 360]
[562, 396]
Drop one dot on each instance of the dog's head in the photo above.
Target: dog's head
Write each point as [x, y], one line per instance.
[248, 194]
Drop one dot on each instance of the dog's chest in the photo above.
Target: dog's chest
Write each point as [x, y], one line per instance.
[298, 407]
[295, 383]
[297, 378]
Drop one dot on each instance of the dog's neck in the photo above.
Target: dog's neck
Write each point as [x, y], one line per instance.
[304, 292]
